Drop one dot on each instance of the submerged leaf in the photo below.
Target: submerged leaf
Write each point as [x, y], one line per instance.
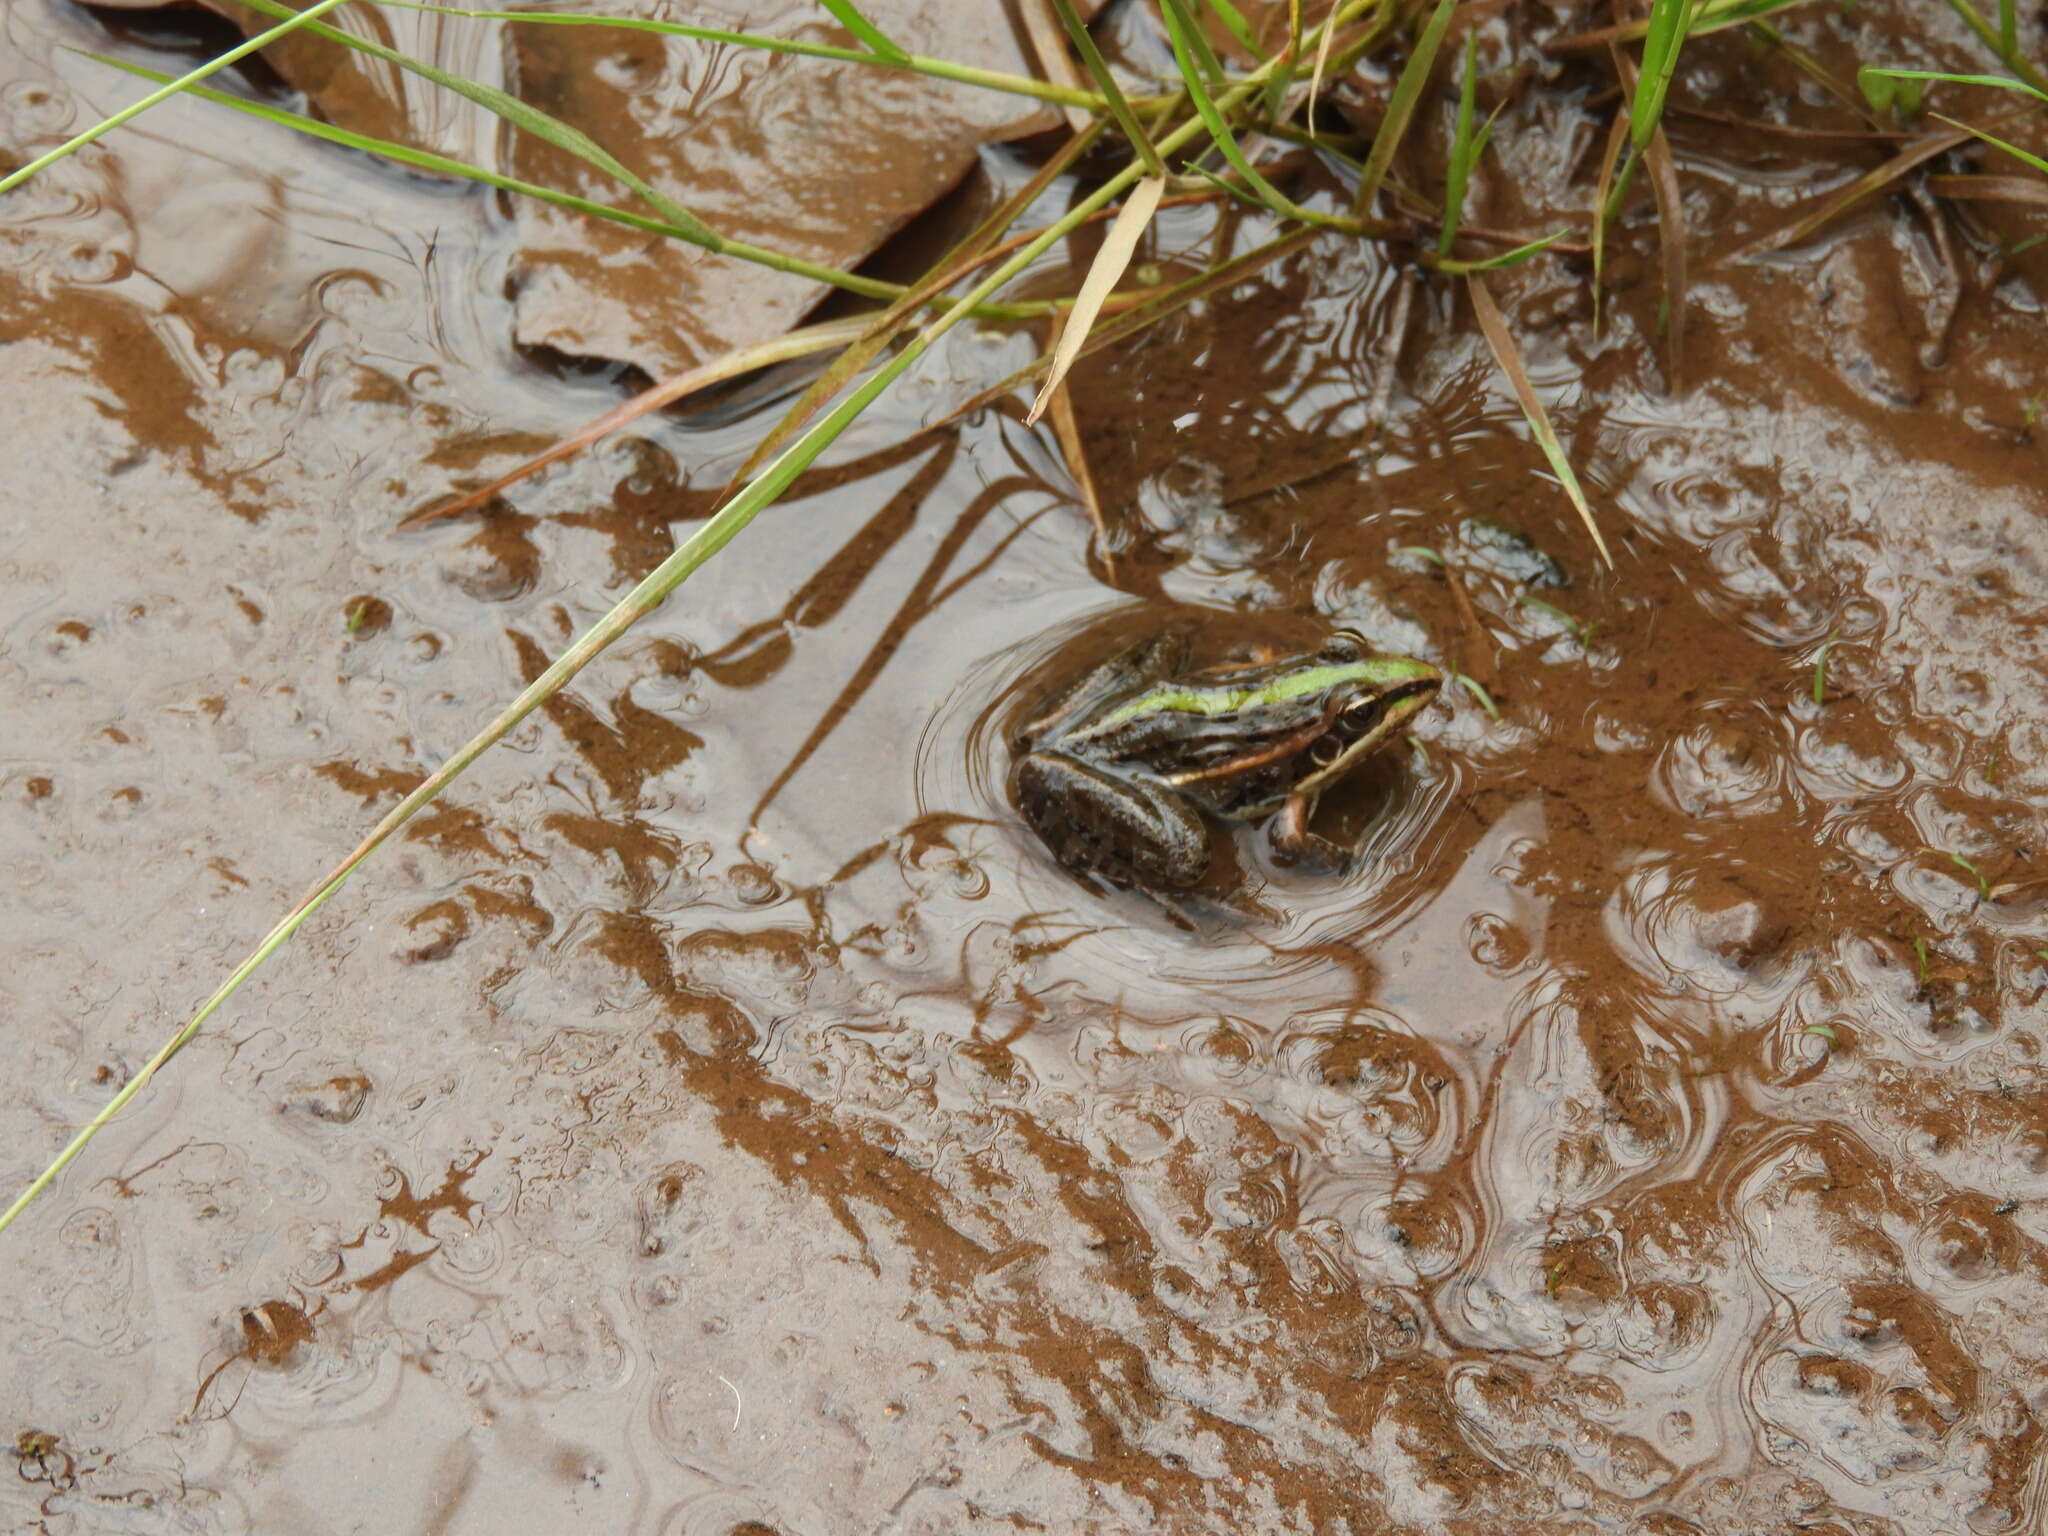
[522, 115]
[941, 69]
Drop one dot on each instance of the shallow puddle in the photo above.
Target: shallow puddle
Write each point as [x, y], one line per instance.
[719, 1114]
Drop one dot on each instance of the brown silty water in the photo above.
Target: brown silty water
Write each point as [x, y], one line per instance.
[719, 1115]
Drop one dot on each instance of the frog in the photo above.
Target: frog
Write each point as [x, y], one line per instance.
[1117, 775]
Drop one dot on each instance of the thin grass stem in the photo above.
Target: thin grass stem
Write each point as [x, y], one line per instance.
[849, 16]
[938, 69]
[1112, 93]
[171, 88]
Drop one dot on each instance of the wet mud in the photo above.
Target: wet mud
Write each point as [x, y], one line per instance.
[719, 1114]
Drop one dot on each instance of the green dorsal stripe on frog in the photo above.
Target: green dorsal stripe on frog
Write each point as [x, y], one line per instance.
[1380, 672]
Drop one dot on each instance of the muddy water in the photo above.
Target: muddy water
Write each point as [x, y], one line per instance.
[718, 1115]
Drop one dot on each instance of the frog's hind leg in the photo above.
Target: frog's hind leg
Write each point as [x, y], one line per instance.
[1130, 830]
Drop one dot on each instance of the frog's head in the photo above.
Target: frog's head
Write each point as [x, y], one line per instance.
[1367, 702]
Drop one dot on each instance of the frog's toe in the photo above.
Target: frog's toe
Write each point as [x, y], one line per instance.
[1294, 843]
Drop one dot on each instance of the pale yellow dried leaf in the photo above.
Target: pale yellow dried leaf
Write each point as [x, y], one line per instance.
[1103, 273]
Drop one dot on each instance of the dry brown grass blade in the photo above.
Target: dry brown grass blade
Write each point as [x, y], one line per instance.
[2031, 190]
[1671, 236]
[1785, 130]
[1671, 231]
[1118, 246]
[1909, 158]
[1617, 136]
[1066, 429]
[1498, 337]
[824, 337]
[1315, 77]
[1049, 43]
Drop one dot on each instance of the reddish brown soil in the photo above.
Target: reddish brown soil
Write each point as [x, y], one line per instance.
[719, 1116]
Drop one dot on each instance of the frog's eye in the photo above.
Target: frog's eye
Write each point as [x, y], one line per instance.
[1346, 645]
[1361, 712]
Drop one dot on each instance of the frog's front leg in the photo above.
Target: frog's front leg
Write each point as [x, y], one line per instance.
[1129, 829]
[1294, 842]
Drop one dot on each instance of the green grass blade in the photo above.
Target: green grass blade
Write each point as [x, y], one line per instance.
[1401, 105]
[523, 116]
[1283, 77]
[1498, 337]
[942, 69]
[1707, 18]
[1997, 143]
[848, 15]
[1193, 44]
[1669, 21]
[1513, 258]
[1873, 82]
[171, 88]
[1464, 149]
[1182, 30]
[1112, 93]
[1994, 39]
[2008, 29]
[1235, 24]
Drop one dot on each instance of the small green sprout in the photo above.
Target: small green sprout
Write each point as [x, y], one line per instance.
[1820, 670]
[1968, 868]
[1485, 699]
